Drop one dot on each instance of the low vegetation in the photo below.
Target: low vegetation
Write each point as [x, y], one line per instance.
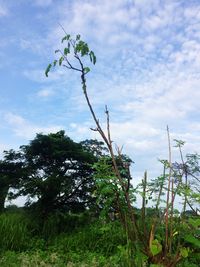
[85, 241]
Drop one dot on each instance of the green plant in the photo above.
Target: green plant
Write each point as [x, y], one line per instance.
[55, 174]
[14, 232]
[80, 49]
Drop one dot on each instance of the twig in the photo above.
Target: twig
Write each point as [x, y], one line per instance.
[168, 193]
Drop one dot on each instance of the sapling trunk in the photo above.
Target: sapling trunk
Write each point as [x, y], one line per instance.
[161, 187]
[168, 196]
[186, 176]
[108, 141]
[171, 216]
[143, 215]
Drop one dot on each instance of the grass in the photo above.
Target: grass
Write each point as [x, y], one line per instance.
[14, 232]
[24, 241]
[80, 242]
[47, 259]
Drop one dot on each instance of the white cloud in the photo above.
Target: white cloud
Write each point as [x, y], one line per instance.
[154, 23]
[82, 131]
[23, 128]
[3, 11]
[38, 75]
[4, 147]
[140, 130]
[20, 201]
[94, 19]
[45, 93]
[36, 45]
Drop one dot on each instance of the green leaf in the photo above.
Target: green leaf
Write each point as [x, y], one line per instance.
[86, 70]
[179, 143]
[184, 252]
[61, 60]
[66, 51]
[192, 240]
[156, 265]
[155, 247]
[82, 47]
[48, 69]
[194, 222]
[65, 38]
[94, 60]
[92, 57]
[78, 37]
[175, 233]
[55, 62]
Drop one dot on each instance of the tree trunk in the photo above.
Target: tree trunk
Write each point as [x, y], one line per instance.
[3, 195]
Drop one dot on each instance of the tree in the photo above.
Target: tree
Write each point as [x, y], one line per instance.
[10, 169]
[97, 148]
[57, 173]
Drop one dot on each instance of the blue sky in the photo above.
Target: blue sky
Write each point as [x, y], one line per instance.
[147, 73]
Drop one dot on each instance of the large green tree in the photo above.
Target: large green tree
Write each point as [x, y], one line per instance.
[56, 173]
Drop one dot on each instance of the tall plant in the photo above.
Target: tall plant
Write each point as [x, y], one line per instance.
[157, 241]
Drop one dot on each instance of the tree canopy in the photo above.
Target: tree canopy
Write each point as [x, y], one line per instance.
[55, 173]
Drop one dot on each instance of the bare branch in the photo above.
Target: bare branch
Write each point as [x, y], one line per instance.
[94, 129]
[62, 28]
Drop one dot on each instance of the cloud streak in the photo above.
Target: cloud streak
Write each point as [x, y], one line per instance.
[23, 128]
[3, 10]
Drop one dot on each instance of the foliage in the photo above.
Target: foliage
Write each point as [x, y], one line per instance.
[56, 173]
[9, 175]
[155, 247]
[79, 48]
[95, 147]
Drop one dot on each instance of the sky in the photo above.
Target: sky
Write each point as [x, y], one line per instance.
[147, 73]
